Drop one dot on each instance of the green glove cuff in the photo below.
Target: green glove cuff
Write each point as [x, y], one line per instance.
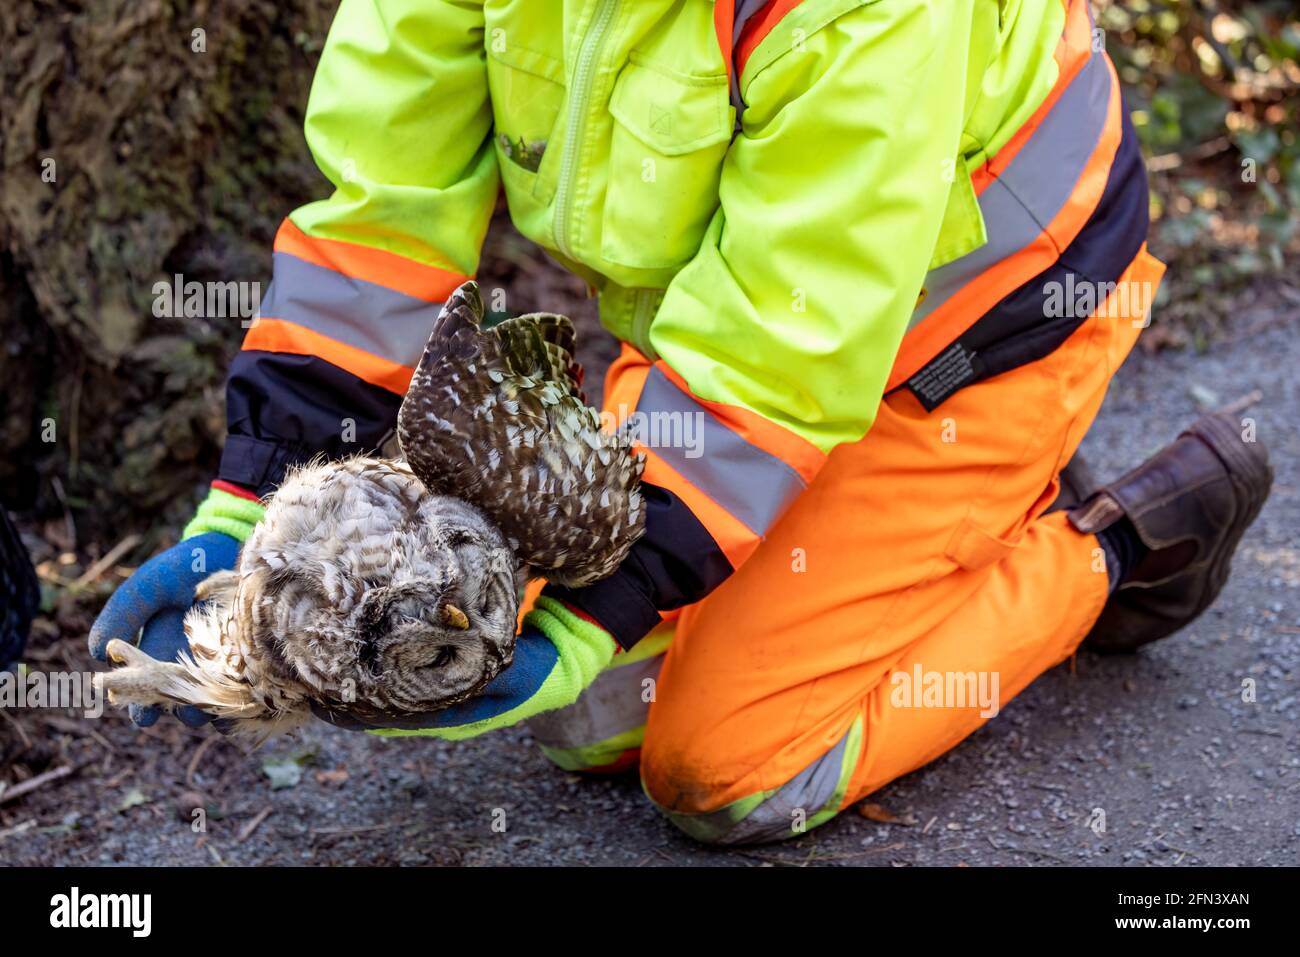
[574, 636]
[583, 649]
[227, 514]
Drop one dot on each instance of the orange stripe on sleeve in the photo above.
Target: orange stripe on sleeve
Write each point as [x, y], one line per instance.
[624, 383]
[625, 378]
[796, 452]
[968, 305]
[982, 293]
[1072, 52]
[415, 279]
[277, 335]
[736, 541]
[1090, 186]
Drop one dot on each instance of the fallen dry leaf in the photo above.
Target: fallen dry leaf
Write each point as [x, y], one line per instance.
[874, 812]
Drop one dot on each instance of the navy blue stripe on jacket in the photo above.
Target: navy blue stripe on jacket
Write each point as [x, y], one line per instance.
[283, 409]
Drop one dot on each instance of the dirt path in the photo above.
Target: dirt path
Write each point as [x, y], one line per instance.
[1185, 771]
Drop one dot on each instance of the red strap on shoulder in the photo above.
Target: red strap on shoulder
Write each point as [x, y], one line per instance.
[724, 12]
[758, 27]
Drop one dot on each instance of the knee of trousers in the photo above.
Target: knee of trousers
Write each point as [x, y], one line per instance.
[603, 729]
[680, 780]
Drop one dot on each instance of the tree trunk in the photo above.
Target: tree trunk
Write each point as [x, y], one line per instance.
[139, 140]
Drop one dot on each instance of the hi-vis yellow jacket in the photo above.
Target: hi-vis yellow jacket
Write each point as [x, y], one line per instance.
[792, 207]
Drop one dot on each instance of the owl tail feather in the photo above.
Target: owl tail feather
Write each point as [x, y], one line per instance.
[144, 680]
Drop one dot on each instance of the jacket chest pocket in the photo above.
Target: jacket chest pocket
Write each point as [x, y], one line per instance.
[670, 135]
[527, 97]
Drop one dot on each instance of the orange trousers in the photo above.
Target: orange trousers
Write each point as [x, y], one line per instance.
[806, 681]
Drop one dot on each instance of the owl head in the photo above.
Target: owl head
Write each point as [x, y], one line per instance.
[381, 598]
[432, 624]
[359, 596]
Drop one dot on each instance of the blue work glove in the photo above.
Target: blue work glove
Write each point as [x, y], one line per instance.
[152, 603]
[156, 599]
[557, 655]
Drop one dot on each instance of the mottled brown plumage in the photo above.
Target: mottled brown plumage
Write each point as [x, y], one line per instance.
[374, 588]
[496, 417]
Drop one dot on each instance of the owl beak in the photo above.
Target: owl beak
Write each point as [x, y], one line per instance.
[453, 617]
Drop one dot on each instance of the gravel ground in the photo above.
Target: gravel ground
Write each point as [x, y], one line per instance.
[1185, 771]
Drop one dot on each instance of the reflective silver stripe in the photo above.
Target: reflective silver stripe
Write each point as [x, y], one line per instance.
[610, 705]
[1018, 205]
[774, 818]
[373, 318]
[753, 485]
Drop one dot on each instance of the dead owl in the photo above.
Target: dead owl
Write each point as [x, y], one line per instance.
[377, 588]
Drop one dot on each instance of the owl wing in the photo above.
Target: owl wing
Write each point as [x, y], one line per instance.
[496, 417]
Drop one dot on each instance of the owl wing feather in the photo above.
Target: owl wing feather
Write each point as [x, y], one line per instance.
[497, 417]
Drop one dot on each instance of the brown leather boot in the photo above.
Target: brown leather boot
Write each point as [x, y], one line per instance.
[1190, 504]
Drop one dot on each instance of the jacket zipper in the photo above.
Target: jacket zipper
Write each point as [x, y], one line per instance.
[579, 93]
